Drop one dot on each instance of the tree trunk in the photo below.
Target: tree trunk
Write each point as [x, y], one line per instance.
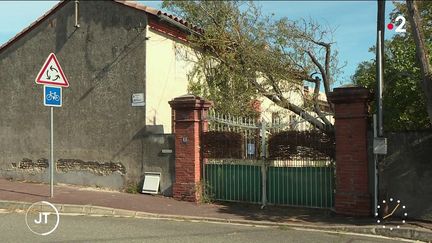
[422, 53]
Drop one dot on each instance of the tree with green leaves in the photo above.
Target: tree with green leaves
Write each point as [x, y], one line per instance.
[404, 103]
[243, 54]
[419, 29]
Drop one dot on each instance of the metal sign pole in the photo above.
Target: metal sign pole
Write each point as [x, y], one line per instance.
[52, 154]
[379, 64]
[52, 77]
[380, 143]
[380, 87]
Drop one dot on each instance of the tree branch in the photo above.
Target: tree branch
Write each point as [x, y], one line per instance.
[422, 53]
[317, 109]
[284, 103]
[323, 71]
[327, 70]
[315, 61]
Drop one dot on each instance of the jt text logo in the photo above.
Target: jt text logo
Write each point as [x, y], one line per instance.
[42, 218]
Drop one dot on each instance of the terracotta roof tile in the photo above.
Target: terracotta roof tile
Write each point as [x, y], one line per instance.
[157, 12]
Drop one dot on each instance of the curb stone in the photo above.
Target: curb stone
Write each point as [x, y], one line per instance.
[101, 211]
[90, 210]
[124, 213]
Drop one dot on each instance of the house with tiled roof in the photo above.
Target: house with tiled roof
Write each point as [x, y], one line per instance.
[110, 51]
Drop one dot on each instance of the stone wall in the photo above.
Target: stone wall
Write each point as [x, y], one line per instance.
[405, 172]
[102, 174]
[99, 138]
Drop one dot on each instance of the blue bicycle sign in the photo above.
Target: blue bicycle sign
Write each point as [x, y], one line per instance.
[52, 96]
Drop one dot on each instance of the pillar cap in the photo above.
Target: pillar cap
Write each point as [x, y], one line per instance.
[189, 101]
[349, 94]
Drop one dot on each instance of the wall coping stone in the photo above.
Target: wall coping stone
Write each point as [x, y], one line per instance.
[350, 95]
[189, 101]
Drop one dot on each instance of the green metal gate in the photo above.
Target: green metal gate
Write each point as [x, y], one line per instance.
[300, 186]
[233, 181]
[254, 178]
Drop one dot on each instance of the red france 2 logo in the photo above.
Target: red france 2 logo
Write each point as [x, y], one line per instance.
[400, 26]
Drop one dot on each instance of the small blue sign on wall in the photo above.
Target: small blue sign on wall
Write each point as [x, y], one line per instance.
[52, 96]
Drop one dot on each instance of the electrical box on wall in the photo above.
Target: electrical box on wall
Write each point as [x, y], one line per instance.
[380, 145]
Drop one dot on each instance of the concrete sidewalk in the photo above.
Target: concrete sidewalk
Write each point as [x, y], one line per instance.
[90, 201]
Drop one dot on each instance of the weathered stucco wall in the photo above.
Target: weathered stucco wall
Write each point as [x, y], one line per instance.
[97, 129]
[157, 161]
[166, 74]
[406, 172]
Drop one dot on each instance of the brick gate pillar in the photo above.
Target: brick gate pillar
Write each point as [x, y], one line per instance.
[189, 119]
[351, 122]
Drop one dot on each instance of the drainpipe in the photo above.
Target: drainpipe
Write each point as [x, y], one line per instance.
[76, 14]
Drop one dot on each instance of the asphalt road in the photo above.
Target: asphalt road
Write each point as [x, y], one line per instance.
[109, 229]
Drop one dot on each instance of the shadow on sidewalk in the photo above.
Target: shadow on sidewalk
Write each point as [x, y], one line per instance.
[26, 193]
[290, 214]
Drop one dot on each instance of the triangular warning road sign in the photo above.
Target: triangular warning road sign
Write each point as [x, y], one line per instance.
[51, 73]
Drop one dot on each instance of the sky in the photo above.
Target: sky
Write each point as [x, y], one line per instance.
[354, 21]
